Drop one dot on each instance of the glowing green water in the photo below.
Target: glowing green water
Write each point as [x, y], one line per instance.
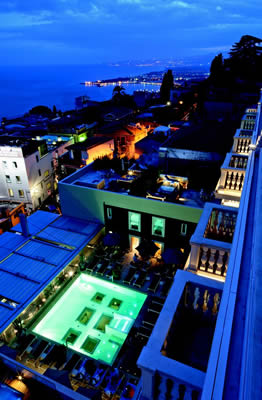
[92, 317]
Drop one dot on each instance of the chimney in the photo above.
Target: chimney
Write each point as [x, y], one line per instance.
[24, 225]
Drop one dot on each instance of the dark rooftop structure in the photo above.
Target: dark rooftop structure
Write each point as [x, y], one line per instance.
[89, 143]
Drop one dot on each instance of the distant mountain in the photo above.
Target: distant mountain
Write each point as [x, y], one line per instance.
[203, 61]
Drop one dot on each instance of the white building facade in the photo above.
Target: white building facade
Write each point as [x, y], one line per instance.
[25, 178]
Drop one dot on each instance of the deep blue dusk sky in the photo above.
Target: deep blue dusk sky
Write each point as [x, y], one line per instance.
[90, 32]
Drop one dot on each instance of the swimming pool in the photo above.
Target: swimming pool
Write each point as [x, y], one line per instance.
[92, 317]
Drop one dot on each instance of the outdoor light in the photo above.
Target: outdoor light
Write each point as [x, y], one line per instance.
[70, 273]
[20, 377]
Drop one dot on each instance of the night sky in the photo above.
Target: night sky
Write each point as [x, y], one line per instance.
[90, 32]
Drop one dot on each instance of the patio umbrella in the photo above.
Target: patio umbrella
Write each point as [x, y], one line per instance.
[111, 239]
[147, 248]
[172, 256]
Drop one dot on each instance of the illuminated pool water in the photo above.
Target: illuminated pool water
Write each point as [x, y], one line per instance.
[92, 317]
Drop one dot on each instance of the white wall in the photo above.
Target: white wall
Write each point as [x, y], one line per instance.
[9, 155]
[39, 184]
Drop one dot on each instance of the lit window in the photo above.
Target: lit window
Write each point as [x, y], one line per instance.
[46, 173]
[183, 230]
[14, 164]
[8, 179]
[18, 179]
[11, 192]
[4, 163]
[109, 212]
[158, 226]
[21, 193]
[134, 221]
[48, 186]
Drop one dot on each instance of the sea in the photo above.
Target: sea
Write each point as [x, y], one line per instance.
[24, 87]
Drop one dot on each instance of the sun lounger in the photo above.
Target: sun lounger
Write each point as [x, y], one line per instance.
[101, 268]
[155, 307]
[150, 318]
[158, 300]
[166, 286]
[131, 273]
[143, 331]
[26, 342]
[141, 279]
[77, 366]
[154, 283]
[71, 363]
[39, 349]
[91, 266]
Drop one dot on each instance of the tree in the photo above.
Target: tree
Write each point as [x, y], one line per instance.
[217, 65]
[245, 57]
[246, 48]
[167, 85]
[118, 94]
[40, 110]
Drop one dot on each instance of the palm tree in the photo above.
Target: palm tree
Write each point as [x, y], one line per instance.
[118, 94]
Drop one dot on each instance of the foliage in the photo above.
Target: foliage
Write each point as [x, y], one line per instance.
[244, 63]
[40, 110]
[106, 163]
[167, 85]
[120, 97]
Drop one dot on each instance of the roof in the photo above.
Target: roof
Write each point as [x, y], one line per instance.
[37, 221]
[73, 224]
[37, 271]
[58, 235]
[29, 264]
[9, 242]
[44, 252]
[89, 143]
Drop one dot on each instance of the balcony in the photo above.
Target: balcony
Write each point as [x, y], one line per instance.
[230, 184]
[175, 359]
[211, 241]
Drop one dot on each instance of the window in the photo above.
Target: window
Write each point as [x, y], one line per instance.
[46, 173]
[48, 186]
[158, 226]
[8, 179]
[39, 172]
[18, 179]
[183, 230]
[37, 158]
[134, 221]
[109, 213]
[11, 192]
[21, 193]
[14, 164]
[4, 163]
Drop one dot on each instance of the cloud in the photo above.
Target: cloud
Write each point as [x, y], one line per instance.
[15, 19]
[126, 28]
[181, 4]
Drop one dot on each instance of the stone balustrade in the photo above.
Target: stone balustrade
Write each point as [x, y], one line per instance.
[169, 389]
[213, 261]
[238, 162]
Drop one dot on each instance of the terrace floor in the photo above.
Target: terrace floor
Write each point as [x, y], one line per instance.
[82, 373]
